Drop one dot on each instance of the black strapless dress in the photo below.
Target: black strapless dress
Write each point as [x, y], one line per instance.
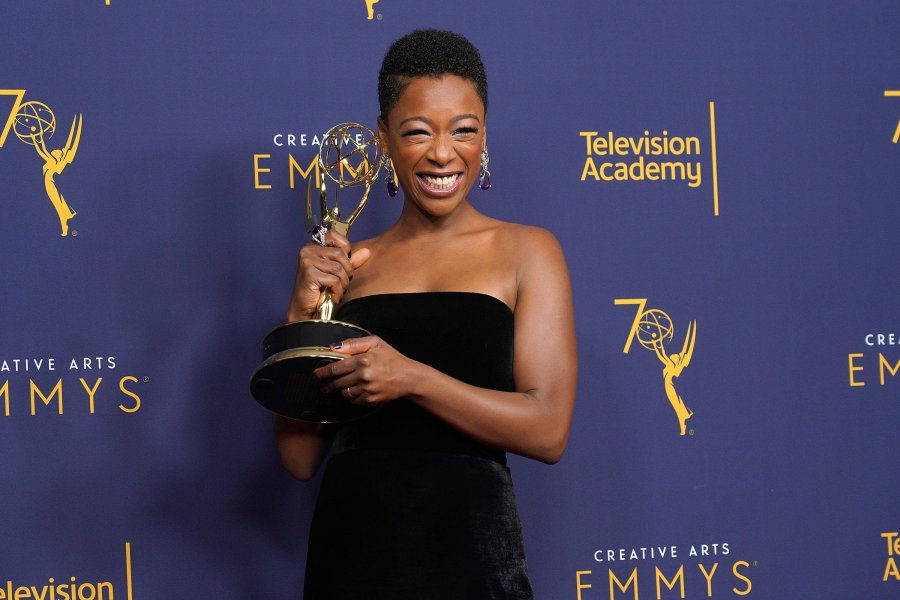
[409, 507]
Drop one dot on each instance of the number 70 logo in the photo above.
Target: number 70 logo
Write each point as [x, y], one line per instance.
[894, 94]
[13, 111]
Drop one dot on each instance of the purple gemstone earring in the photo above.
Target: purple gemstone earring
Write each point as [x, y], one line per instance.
[484, 176]
[389, 176]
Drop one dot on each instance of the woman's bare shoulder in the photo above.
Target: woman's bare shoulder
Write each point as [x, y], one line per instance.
[527, 241]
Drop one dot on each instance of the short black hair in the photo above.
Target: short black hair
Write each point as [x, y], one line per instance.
[428, 53]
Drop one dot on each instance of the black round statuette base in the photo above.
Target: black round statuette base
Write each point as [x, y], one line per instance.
[284, 383]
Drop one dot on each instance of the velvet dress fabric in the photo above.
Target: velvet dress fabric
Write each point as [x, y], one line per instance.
[409, 507]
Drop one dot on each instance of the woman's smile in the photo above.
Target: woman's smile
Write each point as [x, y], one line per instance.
[439, 185]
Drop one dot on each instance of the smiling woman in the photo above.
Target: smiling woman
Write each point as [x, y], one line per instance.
[473, 355]
[436, 141]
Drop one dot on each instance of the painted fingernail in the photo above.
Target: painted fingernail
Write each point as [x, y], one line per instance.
[336, 346]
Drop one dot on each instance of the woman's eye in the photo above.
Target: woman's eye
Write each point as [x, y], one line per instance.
[414, 133]
[466, 131]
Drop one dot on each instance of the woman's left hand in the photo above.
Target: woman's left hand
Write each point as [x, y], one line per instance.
[372, 373]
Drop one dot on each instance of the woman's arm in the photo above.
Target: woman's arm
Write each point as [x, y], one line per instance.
[533, 421]
[301, 444]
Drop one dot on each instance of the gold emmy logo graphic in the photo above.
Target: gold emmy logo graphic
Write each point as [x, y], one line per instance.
[894, 94]
[34, 124]
[370, 9]
[654, 329]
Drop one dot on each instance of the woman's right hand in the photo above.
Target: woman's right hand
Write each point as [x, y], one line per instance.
[323, 267]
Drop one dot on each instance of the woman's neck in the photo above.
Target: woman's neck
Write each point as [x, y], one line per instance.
[413, 222]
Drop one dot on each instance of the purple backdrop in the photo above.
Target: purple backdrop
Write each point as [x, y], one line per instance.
[732, 168]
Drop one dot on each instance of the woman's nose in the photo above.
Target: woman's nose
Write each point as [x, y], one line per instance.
[441, 150]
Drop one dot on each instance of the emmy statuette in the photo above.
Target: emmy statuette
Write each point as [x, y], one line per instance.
[350, 156]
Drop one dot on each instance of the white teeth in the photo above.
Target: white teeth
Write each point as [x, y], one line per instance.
[440, 182]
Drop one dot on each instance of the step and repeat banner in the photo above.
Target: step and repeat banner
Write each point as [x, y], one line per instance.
[724, 179]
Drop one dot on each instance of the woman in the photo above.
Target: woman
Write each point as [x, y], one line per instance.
[473, 355]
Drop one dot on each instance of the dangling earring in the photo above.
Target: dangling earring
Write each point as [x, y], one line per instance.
[484, 176]
[389, 176]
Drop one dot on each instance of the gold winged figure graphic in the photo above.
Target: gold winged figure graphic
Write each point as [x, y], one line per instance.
[673, 365]
[370, 8]
[54, 163]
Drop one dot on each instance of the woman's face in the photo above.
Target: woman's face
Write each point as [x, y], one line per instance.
[434, 136]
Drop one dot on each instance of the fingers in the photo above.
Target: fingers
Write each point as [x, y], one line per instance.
[357, 345]
[333, 238]
[323, 267]
[360, 257]
[352, 376]
[357, 395]
[330, 265]
[357, 258]
[345, 377]
[371, 373]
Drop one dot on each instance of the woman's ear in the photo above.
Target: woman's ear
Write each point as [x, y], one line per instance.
[382, 134]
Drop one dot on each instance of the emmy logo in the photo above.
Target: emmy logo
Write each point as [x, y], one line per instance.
[654, 330]
[370, 9]
[34, 124]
